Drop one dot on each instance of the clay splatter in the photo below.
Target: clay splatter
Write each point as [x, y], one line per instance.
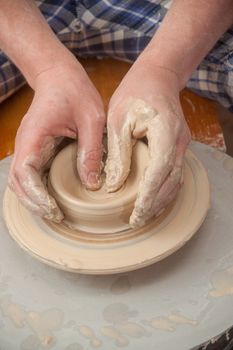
[112, 333]
[118, 313]
[177, 318]
[14, 312]
[43, 324]
[122, 327]
[170, 322]
[132, 329]
[89, 334]
[160, 323]
[222, 282]
[121, 285]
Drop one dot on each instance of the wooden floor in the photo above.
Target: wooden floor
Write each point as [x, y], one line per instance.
[201, 114]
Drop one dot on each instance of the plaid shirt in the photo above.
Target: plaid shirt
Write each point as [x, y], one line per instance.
[122, 29]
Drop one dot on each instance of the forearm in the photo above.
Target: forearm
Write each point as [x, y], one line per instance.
[188, 32]
[28, 40]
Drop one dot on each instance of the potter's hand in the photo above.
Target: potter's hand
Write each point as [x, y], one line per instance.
[147, 104]
[147, 101]
[65, 104]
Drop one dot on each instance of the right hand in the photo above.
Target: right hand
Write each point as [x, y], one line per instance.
[65, 104]
[146, 104]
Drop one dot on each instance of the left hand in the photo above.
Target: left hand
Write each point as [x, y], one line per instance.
[147, 104]
[65, 104]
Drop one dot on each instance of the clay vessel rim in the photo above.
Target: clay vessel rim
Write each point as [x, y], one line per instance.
[124, 197]
[79, 204]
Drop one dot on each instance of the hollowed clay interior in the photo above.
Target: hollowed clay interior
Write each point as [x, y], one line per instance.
[95, 211]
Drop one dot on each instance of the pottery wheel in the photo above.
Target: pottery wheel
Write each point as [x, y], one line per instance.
[177, 303]
[99, 240]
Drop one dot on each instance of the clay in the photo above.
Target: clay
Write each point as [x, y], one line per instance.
[102, 248]
[181, 283]
[95, 211]
[43, 325]
[88, 333]
[222, 282]
[170, 322]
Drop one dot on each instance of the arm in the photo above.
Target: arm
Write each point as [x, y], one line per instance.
[147, 102]
[65, 104]
[28, 40]
[189, 31]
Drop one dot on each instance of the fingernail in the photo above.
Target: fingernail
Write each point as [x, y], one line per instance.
[93, 180]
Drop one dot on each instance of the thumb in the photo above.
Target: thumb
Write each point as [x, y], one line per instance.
[89, 154]
[120, 144]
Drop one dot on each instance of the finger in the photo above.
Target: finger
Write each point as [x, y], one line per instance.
[119, 157]
[127, 122]
[53, 214]
[90, 150]
[25, 176]
[167, 191]
[23, 198]
[57, 144]
[169, 198]
[162, 150]
[34, 193]
[166, 194]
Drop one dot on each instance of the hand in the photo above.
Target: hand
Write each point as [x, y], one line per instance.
[65, 104]
[147, 104]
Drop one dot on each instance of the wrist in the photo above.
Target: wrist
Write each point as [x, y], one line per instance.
[165, 77]
[168, 63]
[47, 60]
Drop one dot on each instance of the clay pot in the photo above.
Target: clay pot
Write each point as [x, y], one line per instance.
[95, 211]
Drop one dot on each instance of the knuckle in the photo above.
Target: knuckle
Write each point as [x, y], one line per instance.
[94, 154]
[90, 159]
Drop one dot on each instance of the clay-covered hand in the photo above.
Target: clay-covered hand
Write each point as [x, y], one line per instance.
[65, 104]
[147, 104]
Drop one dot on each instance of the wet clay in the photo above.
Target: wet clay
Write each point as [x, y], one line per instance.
[43, 325]
[89, 334]
[95, 211]
[95, 237]
[222, 282]
[170, 322]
